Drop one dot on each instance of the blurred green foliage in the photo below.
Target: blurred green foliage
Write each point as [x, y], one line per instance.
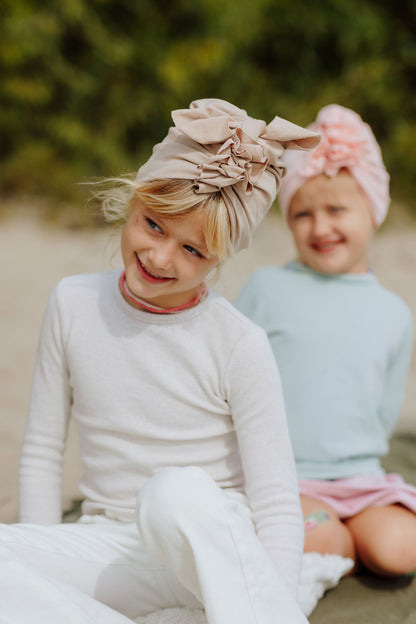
[87, 86]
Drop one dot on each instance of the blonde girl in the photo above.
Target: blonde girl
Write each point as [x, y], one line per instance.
[343, 344]
[190, 495]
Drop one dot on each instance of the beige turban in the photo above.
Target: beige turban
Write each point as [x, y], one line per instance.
[220, 148]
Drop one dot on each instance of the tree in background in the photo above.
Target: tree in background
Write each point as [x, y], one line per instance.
[87, 85]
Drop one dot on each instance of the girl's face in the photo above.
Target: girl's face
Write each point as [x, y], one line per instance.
[166, 258]
[331, 224]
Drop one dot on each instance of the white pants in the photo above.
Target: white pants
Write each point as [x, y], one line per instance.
[193, 545]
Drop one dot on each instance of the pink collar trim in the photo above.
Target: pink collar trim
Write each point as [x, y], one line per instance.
[137, 302]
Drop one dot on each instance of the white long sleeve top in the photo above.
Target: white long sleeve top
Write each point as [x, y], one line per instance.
[199, 387]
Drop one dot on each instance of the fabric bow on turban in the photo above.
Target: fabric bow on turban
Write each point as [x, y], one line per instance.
[220, 148]
[346, 143]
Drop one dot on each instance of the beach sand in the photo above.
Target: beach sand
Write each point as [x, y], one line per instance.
[34, 256]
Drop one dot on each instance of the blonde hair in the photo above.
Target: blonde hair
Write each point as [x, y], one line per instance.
[172, 198]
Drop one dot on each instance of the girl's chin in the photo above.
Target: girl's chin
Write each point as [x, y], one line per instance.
[325, 265]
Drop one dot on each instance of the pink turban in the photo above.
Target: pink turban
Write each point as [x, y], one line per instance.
[220, 148]
[346, 142]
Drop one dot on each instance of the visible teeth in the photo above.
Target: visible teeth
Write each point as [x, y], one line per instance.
[152, 275]
[325, 245]
[155, 276]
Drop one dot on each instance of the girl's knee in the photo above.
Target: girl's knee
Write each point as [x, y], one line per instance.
[174, 506]
[393, 560]
[326, 533]
[393, 554]
[385, 540]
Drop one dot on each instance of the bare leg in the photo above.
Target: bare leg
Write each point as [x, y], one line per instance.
[324, 531]
[385, 539]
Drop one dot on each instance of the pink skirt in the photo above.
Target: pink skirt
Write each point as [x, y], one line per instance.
[347, 497]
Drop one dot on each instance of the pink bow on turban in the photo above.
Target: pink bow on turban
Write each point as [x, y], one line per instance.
[220, 148]
[346, 143]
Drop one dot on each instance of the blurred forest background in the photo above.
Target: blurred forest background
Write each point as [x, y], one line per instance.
[87, 86]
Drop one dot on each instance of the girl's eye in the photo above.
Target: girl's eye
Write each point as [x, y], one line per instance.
[336, 209]
[301, 215]
[193, 251]
[153, 225]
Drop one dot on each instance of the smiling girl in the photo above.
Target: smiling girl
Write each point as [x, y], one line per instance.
[189, 485]
[342, 343]
[166, 258]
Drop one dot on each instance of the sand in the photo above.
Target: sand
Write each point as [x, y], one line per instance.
[34, 256]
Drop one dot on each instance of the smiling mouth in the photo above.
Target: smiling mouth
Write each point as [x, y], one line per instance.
[326, 246]
[151, 276]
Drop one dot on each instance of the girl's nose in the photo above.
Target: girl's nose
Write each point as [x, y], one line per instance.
[321, 225]
[161, 255]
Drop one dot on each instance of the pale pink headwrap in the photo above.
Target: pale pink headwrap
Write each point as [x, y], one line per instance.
[220, 148]
[346, 142]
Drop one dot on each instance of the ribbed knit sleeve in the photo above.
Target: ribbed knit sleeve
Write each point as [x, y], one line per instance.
[41, 462]
[258, 412]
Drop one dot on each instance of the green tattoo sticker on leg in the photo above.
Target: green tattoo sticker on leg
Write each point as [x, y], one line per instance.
[315, 519]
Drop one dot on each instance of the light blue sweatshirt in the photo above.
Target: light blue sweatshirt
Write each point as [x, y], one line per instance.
[342, 344]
